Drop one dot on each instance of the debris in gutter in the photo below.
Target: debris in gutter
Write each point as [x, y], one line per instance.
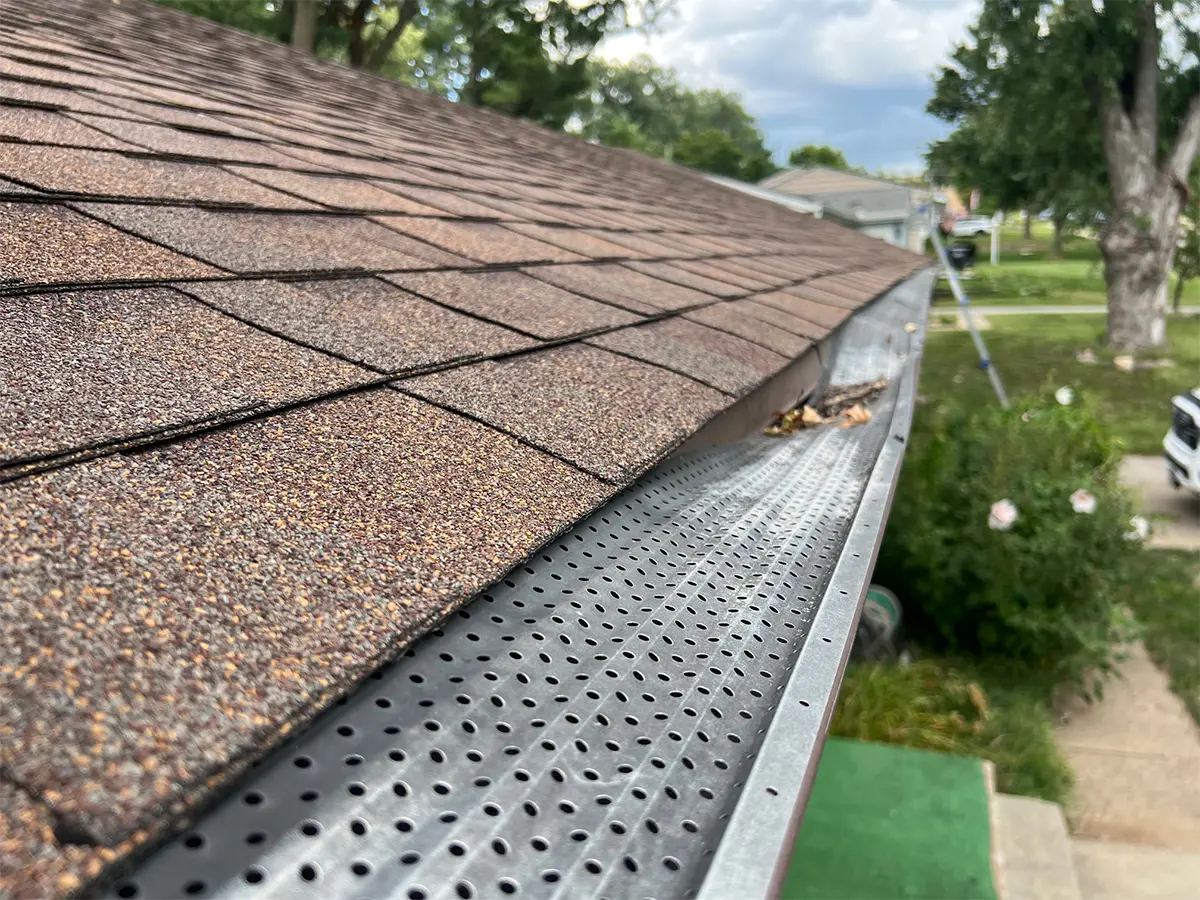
[843, 406]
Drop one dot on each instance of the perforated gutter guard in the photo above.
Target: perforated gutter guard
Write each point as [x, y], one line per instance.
[638, 711]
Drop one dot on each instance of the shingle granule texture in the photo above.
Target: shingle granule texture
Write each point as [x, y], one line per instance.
[516, 300]
[718, 359]
[483, 241]
[610, 415]
[676, 275]
[335, 192]
[42, 244]
[575, 240]
[31, 864]
[214, 252]
[646, 246]
[622, 287]
[709, 269]
[166, 139]
[227, 580]
[361, 319]
[71, 170]
[252, 243]
[444, 202]
[734, 318]
[65, 98]
[48, 127]
[78, 367]
[825, 315]
[782, 319]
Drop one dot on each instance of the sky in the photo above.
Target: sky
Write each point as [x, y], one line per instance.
[853, 74]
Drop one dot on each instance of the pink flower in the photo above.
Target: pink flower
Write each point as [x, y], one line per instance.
[1002, 515]
[1083, 502]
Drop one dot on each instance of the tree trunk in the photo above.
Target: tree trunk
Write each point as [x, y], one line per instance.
[1056, 243]
[1178, 298]
[408, 12]
[356, 48]
[1146, 195]
[304, 25]
[1028, 225]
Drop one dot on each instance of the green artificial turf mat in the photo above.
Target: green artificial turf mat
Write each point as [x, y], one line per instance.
[885, 823]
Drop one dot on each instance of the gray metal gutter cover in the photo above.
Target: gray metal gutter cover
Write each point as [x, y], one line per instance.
[638, 711]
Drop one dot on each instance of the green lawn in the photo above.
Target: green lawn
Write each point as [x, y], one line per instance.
[1031, 352]
[1167, 609]
[1028, 275]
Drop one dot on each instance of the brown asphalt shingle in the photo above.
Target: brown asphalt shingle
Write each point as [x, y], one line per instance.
[482, 241]
[607, 414]
[93, 366]
[208, 595]
[335, 192]
[40, 244]
[516, 300]
[736, 318]
[250, 591]
[825, 315]
[716, 358]
[75, 171]
[361, 319]
[251, 243]
[676, 275]
[49, 127]
[166, 139]
[622, 287]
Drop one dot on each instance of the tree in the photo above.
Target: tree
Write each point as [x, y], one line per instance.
[1073, 104]
[815, 155]
[1187, 252]
[643, 106]
[710, 151]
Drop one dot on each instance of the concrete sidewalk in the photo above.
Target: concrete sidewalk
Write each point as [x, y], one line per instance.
[1175, 514]
[1043, 310]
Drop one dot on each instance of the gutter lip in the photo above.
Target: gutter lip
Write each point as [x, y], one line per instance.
[755, 851]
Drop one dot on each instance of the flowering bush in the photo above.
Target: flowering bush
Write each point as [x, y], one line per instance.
[1008, 536]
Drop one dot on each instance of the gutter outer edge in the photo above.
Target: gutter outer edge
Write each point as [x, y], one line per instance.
[756, 849]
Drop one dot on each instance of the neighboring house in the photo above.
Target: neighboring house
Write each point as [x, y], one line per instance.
[892, 212]
[429, 441]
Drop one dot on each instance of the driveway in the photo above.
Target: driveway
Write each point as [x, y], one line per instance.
[1174, 514]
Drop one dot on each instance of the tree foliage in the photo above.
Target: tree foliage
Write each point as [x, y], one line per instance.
[527, 59]
[643, 106]
[1187, 253]
[818, 155]
[1081, 106]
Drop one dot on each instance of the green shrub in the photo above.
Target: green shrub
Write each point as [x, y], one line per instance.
[1045, 595]
[934, 705]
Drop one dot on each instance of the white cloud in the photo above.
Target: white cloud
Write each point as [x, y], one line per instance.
[815, 70]
[850, 42]
[889, 41]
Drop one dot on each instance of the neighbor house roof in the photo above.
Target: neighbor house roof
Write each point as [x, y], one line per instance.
[296, 360]
[890, 204]
[817, 181]
[800, 204]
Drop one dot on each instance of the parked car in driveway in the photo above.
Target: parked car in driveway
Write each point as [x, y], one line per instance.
[971, 226]
[1181, 446]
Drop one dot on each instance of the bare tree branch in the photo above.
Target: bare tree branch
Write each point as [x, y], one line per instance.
[1187, 143]
[1145, 84]
[408, 12]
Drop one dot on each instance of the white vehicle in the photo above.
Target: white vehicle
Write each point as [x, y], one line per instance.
[971, 226]
[1182, 443]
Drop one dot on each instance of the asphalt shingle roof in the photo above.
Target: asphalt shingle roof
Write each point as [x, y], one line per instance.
[297, 360]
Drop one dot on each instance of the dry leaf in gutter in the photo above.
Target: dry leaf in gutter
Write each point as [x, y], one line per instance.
[856, 415]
